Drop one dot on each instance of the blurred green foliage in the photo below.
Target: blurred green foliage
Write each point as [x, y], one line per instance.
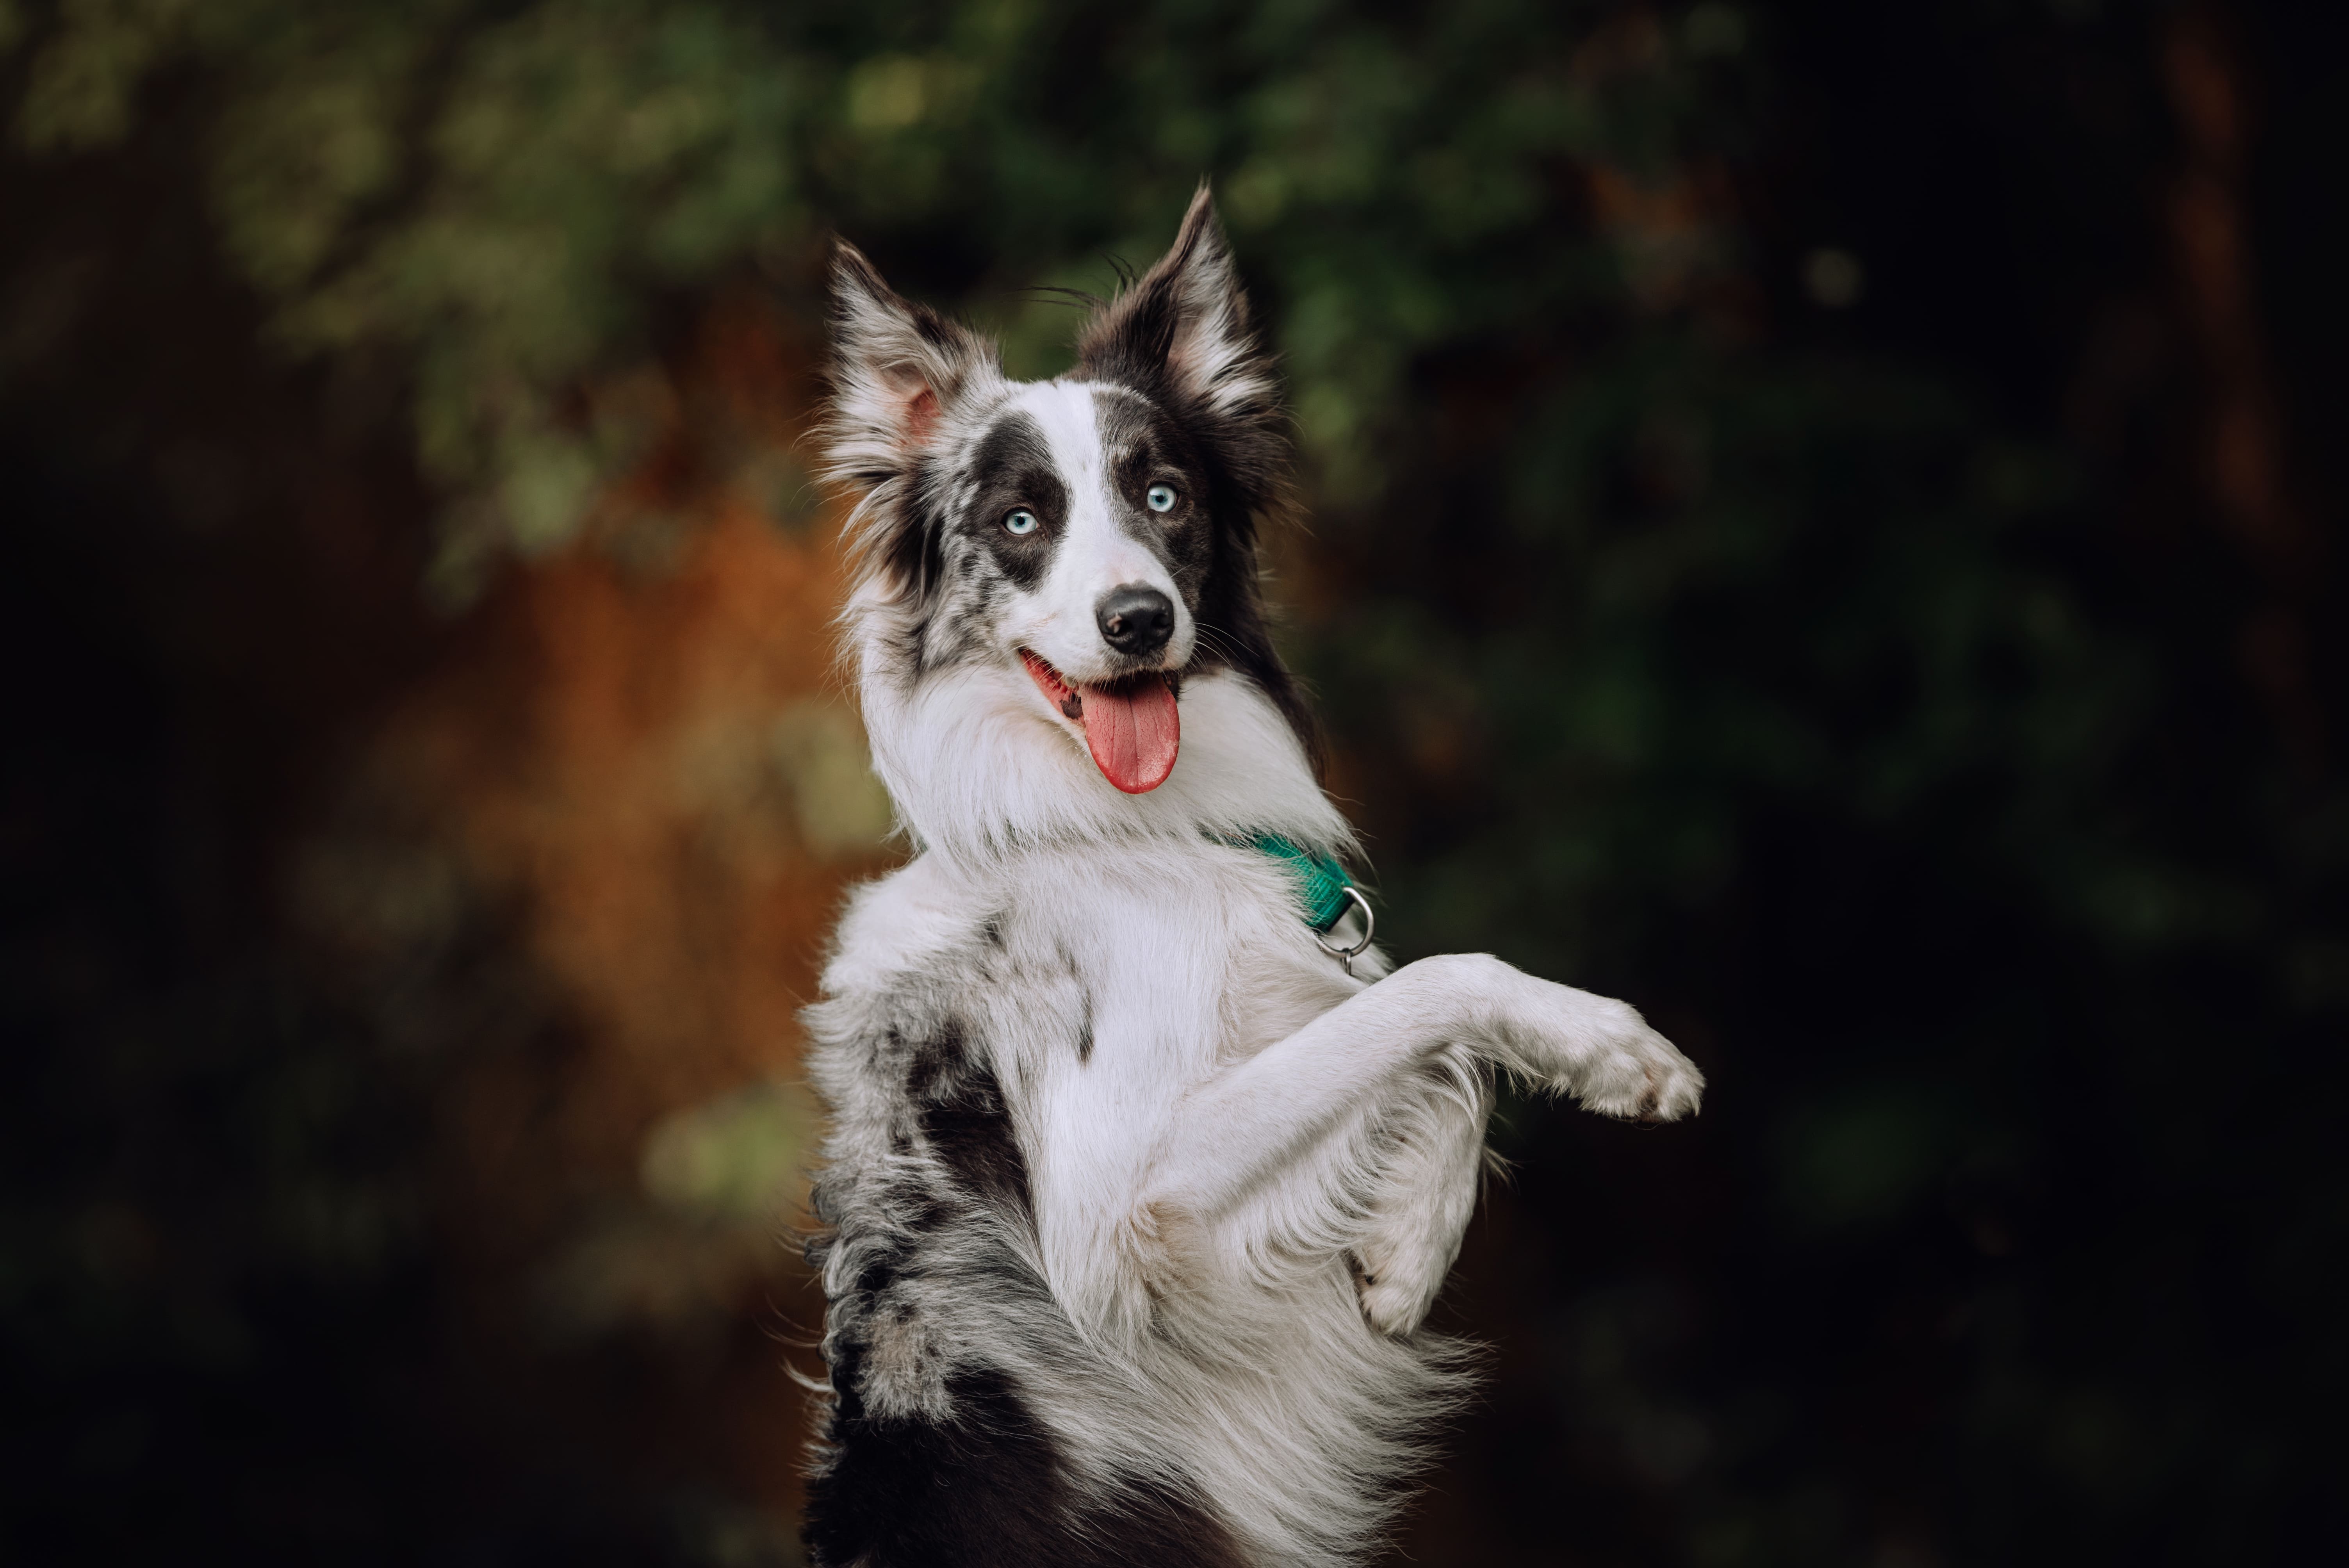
[1720, 596]
[500, 196]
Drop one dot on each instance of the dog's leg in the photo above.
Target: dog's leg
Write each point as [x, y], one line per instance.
[1286, 1143]
[1429, 1189]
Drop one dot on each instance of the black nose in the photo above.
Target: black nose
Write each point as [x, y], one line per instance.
[1135, 620]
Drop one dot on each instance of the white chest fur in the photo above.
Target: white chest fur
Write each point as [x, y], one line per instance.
[1107, 987]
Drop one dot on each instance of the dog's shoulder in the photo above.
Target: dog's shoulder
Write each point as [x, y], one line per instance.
[901, 926]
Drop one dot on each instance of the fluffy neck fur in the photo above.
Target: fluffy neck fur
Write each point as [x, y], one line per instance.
[977, 774]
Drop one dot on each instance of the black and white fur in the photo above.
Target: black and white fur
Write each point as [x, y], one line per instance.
[1135, 1198]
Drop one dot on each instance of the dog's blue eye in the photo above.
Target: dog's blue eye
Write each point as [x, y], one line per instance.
[1160, 497]
[1022, 521]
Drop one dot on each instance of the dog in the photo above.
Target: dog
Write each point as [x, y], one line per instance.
[1142, 1169]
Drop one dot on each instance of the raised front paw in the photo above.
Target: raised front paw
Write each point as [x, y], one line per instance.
[1673, 1088]
[1397, 1288]
[1431, 1169]
[1626, 1069]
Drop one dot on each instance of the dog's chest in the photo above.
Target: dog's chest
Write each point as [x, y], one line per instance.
[1183, 960]
[1149, 967]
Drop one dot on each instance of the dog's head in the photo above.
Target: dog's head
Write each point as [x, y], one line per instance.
[1095, 533]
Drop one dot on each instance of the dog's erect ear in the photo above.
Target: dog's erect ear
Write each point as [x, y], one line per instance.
[897, 368]
[1180, 335]
[1183, 329]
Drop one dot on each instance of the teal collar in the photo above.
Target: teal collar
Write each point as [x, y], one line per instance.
[1321, 883]
[1323, 892]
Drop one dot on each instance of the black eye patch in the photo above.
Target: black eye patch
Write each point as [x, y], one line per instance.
[1153, 448]
[1011, 470]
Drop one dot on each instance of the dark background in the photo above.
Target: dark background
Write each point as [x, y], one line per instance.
[1823, 525]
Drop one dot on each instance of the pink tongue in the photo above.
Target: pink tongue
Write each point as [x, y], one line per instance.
[1133, 731]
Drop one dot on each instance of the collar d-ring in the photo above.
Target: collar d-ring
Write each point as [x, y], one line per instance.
[1346, 955]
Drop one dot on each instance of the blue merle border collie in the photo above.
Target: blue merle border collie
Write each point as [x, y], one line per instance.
[1134, 1197]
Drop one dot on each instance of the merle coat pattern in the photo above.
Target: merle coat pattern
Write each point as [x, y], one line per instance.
[1134, 1199]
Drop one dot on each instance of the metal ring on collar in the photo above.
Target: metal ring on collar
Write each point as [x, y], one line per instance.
[1346, 955]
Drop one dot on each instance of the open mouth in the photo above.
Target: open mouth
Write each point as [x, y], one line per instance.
[1131, 725]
